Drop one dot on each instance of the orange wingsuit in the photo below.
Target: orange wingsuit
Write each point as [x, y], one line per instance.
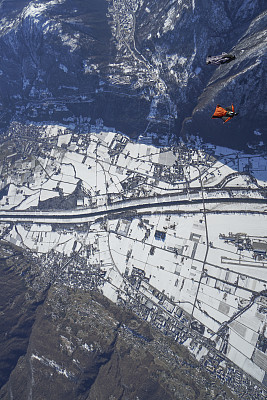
[225, 114]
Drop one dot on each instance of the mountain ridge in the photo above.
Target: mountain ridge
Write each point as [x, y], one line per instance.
[140, 57]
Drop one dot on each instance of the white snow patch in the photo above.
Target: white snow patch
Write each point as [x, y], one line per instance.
[168, 24]
[198, 70]
[63, 67]
[64, 139]
[47, 194]
[257, 133]
[52, 364]
[52, 130]
[181, 61]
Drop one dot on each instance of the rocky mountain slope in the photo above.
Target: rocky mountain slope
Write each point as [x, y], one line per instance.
[242, 82]
[138, 65]
[79, 345]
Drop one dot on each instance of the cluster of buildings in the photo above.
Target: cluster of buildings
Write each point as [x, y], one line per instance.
[155, 307]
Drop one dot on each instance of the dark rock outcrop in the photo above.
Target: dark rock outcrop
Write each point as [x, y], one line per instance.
[242, 82]
[82, 347]
[18, 305]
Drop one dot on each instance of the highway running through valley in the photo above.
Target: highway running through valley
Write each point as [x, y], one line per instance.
[163, 204]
